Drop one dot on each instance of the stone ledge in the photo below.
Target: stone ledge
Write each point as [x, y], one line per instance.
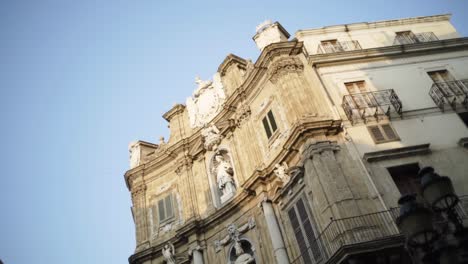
[397, 153]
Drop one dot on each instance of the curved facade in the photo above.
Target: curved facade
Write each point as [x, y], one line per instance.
[300, 156]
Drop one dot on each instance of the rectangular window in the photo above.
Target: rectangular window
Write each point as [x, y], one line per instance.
[356, 87]
[305, 232]
[269, 124]
[440, 76]
[382, 133]
[165, 208]
[406, 37]
[406, 178]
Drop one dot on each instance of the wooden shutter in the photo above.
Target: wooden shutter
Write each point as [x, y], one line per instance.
[308, 229]
[389, 132]
[168, 206]
[161, 211]
[376, 134]
[299, 236]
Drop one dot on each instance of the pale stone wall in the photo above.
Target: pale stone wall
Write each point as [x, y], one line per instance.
[323, 150]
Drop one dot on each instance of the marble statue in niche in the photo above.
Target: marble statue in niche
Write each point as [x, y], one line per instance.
[224, 174]
[168, 253]
[206, 101]
[241, 256]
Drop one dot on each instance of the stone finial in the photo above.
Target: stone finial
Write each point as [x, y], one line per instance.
[268, 33]
[263, 25]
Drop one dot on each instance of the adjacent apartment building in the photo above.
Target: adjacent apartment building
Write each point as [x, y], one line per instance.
[302, 155]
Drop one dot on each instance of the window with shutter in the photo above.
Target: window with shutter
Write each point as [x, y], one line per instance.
[305, 232]
[441, 76]
[382, 133]
[165, 209]
[269, 123]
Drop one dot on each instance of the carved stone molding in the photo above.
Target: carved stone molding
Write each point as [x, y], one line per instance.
[284, 66]
[242, 114]
[211, 137]
[138, 190]
[319, 148]
[234, 234]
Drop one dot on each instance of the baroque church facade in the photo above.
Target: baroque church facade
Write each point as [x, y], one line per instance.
[301, 156]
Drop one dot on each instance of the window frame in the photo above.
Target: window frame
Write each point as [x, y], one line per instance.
[167, 218]
[270, 125]
[309, 250]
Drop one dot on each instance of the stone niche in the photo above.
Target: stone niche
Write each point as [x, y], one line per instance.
[222, 177]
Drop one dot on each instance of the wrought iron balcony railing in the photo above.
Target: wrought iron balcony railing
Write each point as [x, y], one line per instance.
[338, 47]
[362, 106]
[350, 231]
[414, 38]
[451, 93]
[346, 232]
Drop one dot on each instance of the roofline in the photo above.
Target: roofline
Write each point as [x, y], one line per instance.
[369, 25]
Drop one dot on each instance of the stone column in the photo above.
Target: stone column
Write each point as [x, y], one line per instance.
[197, 255]
[279, 250]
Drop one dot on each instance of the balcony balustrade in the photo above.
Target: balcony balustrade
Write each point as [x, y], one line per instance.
[338, 47]
[414, 38]
[362, 106]
[451, 93]
[358, 230]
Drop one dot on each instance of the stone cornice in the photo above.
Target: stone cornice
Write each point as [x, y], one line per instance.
[300, 132]
[230, 59]
[370, 25]
[176, 109]
[396, 153]
[388, 51]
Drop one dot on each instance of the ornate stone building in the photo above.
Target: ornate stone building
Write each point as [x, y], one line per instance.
[301, 156]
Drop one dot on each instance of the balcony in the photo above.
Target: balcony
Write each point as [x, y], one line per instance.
[338, 47]
[452, 93]
[362, 106]
[353, 235]
[411, 38]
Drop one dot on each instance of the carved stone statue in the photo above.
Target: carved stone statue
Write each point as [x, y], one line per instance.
[134, 150]
[212, 137]
[224, 177]
[168, 253]
[281, 172]
[242, 257]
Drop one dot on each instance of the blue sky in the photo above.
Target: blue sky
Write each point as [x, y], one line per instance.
[81, 79]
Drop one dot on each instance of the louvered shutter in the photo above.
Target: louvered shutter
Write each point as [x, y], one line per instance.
[299, 236]
[161, 211]
[168, 206]
[388, 130]
[376, 134]
[309, 231]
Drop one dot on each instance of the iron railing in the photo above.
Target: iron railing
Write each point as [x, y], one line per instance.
[401, 39]
[362, 106]
[338, 47]
[350, 231]
[451, 93]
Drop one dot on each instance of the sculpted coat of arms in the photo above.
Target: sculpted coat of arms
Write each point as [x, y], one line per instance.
[206, 101]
